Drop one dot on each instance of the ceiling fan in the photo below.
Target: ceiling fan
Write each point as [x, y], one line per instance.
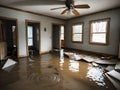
[70, 7]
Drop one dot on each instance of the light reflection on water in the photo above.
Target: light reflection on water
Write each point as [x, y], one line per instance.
[96, 74]
[61, 63]
[84, 70]
[74, 66]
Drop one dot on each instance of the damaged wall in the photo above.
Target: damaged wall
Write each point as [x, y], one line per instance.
[112, 48]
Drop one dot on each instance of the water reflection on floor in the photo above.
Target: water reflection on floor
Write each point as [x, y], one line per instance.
[48, 72]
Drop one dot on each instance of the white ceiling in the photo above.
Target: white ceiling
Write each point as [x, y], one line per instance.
[43, 6]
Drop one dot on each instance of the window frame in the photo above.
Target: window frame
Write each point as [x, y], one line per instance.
[106, 33]
[81, 23]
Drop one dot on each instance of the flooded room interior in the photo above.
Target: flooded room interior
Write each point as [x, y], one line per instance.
[59, 45]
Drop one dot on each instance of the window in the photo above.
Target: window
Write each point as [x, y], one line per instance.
[99, 31]
[77, 32]
[30, 36]
[62, 32]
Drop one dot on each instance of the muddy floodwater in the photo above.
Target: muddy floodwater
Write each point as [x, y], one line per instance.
[48, 72]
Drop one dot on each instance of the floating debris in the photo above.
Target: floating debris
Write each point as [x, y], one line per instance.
[110, 67]
[107, 58]
[90, 59]
[106, 61]
[95, 64]
[8, 63]
[117, 66]
[115, 82]
[74, 57]
[114, 74]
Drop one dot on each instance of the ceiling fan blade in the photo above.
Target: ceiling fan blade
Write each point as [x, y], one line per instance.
[64, 11]
[76, 12]
[82, 6]
[57, 8]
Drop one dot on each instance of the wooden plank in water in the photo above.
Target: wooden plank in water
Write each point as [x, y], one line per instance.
[114, 74]
[115, 82]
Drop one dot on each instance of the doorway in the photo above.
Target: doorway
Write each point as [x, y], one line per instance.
[32, 37]
[8, 35]
[57, 36]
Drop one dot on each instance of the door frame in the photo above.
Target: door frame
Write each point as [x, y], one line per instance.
[17, 35]
[59, 34]
[26, 24]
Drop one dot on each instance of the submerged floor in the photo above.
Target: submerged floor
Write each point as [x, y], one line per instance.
[48, 72]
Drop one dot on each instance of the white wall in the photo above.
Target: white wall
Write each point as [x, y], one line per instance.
[45, 22]
[112, 48]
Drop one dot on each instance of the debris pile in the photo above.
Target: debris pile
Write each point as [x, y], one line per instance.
[90, 59]
[112, 69]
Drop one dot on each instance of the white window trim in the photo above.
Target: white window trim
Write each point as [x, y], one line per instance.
[106, 33]
[78, 33]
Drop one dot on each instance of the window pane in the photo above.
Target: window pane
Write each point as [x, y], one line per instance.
[30, 31]
[77, 37]
[62, 29]
[99, 31]
[62, 33]
[99, 38]
[30, 42]
[13, 28]
[99, 26]
[62, 36]
[77, 29]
